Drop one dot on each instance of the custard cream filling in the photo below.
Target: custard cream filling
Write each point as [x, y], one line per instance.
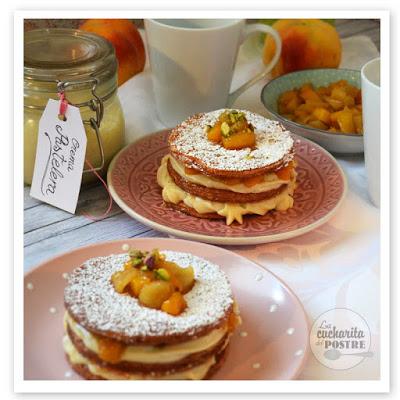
[172, 193]
[271, 180]
[197, 372]
[151, 354]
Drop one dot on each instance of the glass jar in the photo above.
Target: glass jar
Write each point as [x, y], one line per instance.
[82, 65]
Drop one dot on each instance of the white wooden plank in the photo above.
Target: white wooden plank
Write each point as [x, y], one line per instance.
[117, 227]
[42, 216]
[92, 200]
[62, 227]
[28, 200]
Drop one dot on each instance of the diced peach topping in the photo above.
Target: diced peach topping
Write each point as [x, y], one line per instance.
[174, 305]
[254, 180]
[285, 172]
[214, 134]
[249, 182]
[191, 171]
[232, 130]
[110, 350]
[239, 140]
[230, 181]
[154, 281]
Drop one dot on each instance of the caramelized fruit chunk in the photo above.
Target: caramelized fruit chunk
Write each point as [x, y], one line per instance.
[182, 279]
[214, 134]
[121, 279]
[250, 182]
[170, 266]
[137, 284]
[335, 108]
[185, 277]
[155, 293]
[284, 173]
[230, 181]
[174, 305]
[239, 140]
[110, 350]
[153, 280]
[232, 130]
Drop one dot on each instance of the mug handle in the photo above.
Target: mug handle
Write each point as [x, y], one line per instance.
[247, 31]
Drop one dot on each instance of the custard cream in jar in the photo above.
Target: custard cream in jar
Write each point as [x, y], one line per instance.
[83, 66]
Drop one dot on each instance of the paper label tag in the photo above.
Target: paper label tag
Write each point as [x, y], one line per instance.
[60, 156]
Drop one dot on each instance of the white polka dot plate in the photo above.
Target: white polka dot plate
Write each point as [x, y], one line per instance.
[271, 343]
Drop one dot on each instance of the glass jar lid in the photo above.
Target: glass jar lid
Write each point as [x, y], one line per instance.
[52, 55]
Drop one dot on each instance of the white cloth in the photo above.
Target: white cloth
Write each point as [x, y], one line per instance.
[336, 265]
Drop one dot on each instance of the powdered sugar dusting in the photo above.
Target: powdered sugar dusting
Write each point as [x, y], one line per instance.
[91, 298]
[273, 143]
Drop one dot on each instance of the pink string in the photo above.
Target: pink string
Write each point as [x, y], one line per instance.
[63, 104]
[110, 200]
[62, 111]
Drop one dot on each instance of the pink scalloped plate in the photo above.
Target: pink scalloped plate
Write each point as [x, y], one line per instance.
[133, 185]
[272, 343]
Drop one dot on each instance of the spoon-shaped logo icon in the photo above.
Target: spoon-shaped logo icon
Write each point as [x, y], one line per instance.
[340, 339]
[335, 354]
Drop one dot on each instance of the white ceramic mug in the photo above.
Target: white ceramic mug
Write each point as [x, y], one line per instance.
[192, 63]
[371, 101]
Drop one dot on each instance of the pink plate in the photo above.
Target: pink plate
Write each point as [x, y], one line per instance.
[133, 185]
[272, 342]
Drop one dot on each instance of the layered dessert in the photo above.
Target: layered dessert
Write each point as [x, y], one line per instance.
[148, 315]
[227, 164]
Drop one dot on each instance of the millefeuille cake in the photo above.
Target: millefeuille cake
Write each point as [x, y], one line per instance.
[227, 164]
[148, 315]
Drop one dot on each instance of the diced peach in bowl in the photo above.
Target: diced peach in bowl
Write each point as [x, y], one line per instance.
[323, 105]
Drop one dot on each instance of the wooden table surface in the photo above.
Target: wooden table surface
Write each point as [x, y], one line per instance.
[49, 231]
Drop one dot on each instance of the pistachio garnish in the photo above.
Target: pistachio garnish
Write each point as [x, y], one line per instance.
[225, 129]
[136, 261]
[232, 130]
[163, 274]
[133, 253]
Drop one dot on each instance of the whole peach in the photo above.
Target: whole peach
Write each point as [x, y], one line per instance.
[126, 39]
[306, 44]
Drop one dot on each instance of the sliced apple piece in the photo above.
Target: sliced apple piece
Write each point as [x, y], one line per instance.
[121, 279]
[185, 277]
[155, 293]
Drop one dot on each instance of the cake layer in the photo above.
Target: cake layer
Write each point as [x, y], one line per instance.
[220, 195]
[189, 144]
[172, 193]
[91, 370]
[271, 180]
[93, 303]
[148, 358]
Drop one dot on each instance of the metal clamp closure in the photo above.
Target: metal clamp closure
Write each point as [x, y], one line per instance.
[95, 104]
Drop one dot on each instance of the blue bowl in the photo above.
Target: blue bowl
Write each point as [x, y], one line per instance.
[332, 141]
